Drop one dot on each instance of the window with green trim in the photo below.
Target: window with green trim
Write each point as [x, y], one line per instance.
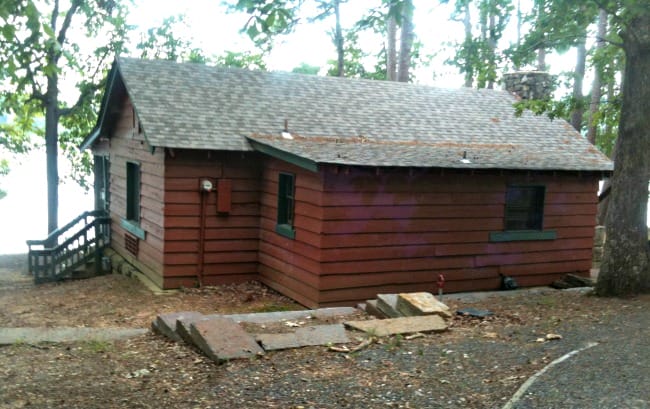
[286, 188]
[132, 192]
[524, 208]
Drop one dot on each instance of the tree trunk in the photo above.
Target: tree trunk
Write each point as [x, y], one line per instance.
[469, 70]
[625, 269]
[406, 42]
[492, 45]
[579, 76]
[51, 153]
[339, 39]
[541, 59]
[391, 48]
[596, 92]
[519, 24]
[541, 51]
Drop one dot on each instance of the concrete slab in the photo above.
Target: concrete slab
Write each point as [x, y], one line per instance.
[222, 339]
[10, 336]
[422, 303]
[480, 296]
[373, 309]
[279, 316]
[183, 326]
[305, 336]
[387, 304]
[165, 324]
[402, 325]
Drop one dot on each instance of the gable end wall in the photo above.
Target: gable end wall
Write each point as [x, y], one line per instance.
[127, 145]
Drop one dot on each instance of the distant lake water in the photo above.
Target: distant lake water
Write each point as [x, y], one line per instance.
[23, 212]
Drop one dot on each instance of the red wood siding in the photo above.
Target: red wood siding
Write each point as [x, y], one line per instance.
[291, 266]
[127, 145]
[396, 231]
[230, 244]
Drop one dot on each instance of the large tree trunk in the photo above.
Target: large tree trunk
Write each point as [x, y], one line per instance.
[596, 92]
[579, 76]
[339, 39]
[391, 49]
[625, 269]
[406, 42]
[51, 153]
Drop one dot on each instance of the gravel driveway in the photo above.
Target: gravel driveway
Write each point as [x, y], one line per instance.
[613, 374]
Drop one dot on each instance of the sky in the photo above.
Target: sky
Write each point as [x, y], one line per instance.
[215, 31]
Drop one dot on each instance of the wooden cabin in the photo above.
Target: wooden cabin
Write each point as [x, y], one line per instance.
[331, 190]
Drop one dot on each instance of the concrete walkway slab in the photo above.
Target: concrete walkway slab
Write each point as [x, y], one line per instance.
[166, 324]
[373, 309]
[183, 326]
[222, 339]
[422, 303]
[387, 304]
[402, 325]
[305, 336]
[279, 316]
[10, 336]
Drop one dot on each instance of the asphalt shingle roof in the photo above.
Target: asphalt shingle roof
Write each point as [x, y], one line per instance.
[347, 121]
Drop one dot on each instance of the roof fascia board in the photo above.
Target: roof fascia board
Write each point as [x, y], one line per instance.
[284, 155]
[102, 113]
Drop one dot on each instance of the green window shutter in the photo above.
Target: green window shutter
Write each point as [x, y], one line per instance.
[286, 202]
[133, 191]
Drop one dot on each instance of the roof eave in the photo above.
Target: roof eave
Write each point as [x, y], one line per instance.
[285, 156]
[97, 130]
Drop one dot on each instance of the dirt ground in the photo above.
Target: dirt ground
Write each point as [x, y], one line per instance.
[478, 363]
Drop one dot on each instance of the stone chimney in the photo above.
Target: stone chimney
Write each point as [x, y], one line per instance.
[529, 84]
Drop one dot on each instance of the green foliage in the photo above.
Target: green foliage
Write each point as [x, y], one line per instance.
[305, 68]
[268, 19]
[477, 56]
[556, 25]
[98, 346]
[245, 59]
[353, 61]
[161, 43]
[37, 53]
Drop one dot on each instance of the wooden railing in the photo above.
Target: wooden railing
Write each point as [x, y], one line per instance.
[70, 247]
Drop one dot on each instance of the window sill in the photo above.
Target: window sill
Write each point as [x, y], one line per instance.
[285, 230]
[522, 235]
[133, 228]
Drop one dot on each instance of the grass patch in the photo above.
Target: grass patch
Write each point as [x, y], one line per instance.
[98, 346]
[547, 301]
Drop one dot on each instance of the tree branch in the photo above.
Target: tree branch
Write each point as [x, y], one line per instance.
[87, 91]
[36, 93]
[611, 11]
[60, 38]
[55, 15]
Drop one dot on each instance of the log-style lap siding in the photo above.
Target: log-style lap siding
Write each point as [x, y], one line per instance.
[291, 266]
[231, 239]
[398, 229]
[126, 144]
